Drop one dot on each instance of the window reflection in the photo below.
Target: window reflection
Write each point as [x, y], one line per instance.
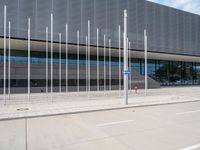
[167, 73]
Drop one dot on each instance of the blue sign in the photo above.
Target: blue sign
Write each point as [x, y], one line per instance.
[126, 72]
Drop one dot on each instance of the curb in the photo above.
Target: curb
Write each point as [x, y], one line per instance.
[97, 110]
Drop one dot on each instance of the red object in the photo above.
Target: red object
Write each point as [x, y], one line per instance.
[136, 89]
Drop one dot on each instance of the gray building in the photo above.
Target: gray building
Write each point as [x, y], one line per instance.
[173, 44]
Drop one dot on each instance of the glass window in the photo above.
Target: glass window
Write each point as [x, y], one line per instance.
[162, 72]
[136, 65]
[151, 68]
[198, 72]
[188, 73]
[175, 74]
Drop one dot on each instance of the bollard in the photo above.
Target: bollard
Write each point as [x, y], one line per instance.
[136, 89]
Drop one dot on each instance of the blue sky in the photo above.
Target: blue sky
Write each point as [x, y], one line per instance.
[187, 5]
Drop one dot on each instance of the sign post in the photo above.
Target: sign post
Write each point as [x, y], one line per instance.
[125, 59]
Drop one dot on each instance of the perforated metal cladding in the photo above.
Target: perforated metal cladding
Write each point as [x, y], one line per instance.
[2, 3]
[106, 15]
[171, 30]
[43, 10]
[100, 16]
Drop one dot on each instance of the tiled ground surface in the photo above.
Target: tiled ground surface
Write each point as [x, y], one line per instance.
[41, 104]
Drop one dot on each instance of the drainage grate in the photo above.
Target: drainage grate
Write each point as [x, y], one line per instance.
[22, 109]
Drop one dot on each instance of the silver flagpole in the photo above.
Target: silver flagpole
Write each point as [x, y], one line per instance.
[51, 57]
[46, 59]
[130, 78]
[125, 59]
[110, 86]
[104, 49]
[66, 73]
[78, 75]
[97, 59]
[60, 63]
[86, 64]
[89, 75]
[9, 60]
[145, 56]
[120, 62]
[4, 41]
[128, 65]
[29, 55]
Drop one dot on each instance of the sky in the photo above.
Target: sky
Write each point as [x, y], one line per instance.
[192, 6]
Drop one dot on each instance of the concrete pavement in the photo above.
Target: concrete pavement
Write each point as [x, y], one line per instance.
[163, 127]
[41, 104]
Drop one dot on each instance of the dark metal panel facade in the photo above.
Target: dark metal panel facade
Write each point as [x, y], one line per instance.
[107, 15]
[171, 30]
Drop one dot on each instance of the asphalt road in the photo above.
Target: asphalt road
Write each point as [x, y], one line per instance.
[166, 127]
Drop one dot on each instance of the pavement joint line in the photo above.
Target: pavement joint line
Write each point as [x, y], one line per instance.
[29, 116]
[113, 123]
[188, 112]
[191, 147]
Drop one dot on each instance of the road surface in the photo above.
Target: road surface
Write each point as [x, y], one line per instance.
[165, 127]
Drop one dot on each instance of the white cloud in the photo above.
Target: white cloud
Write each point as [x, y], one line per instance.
[192, 6]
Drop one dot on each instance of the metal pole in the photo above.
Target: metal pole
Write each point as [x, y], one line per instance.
[86, 63]
[97, 59]
[128, 64]
[60, 49]
[66, 73]
[104, 49]
[9, 60]
[130, 78]
[26, 133]
[51, 57]
[78, 67]
[29, 55]
[125, 59]
[4, 83]
[89, 57]
[110, 86]
[120, 62]
[145, 55]
[46, 59]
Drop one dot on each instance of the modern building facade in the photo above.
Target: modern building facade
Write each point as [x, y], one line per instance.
[90, 50]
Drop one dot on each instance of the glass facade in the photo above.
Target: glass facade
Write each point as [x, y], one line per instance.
[167, 73]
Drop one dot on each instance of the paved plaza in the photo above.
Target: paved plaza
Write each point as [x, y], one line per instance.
[163, 127]
[41, 104]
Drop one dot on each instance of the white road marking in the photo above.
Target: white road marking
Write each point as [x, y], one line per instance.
[113, 123]
[191, 147]
[188, 112]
